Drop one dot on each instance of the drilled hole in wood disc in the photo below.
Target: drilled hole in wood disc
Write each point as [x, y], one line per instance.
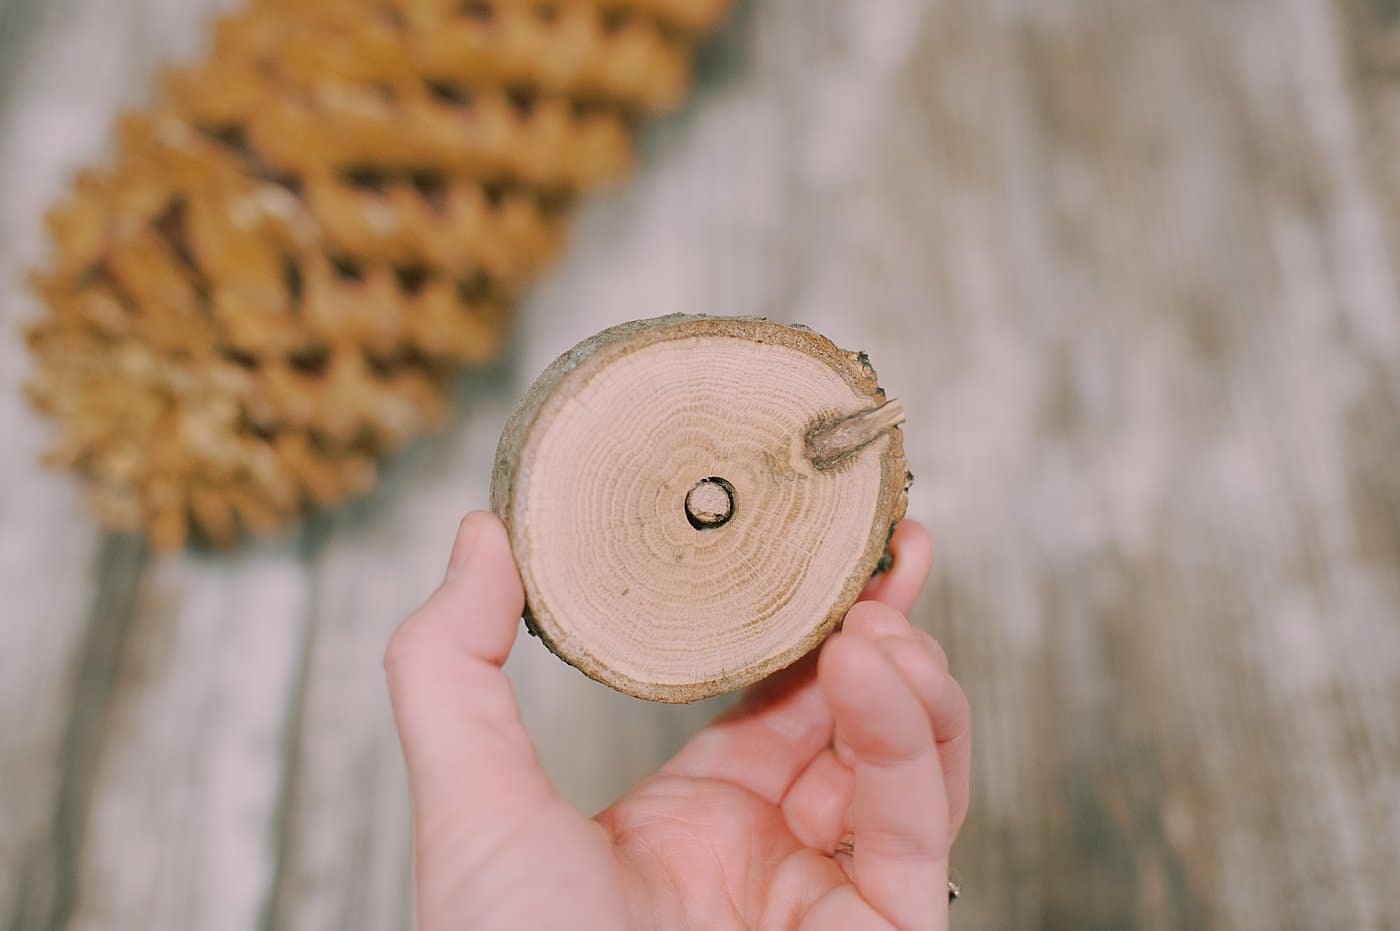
[694, 502]
[710, 504]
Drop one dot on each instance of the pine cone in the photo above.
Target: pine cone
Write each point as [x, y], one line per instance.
[272, 282]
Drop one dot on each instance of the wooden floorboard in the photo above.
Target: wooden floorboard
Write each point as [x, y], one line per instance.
[1130, 267]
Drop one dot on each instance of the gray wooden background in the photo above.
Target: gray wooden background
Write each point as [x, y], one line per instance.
[1131, 267]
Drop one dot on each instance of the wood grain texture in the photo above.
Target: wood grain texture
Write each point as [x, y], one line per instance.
[599, 465]
[1129, 266]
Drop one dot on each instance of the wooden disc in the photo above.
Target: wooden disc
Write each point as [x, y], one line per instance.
[695, 502]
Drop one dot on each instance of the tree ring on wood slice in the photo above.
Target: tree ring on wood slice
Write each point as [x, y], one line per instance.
[695, 502]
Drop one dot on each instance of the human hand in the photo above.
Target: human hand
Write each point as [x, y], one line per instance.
[741, 829]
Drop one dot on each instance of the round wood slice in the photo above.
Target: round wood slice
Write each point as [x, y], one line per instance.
[695, 502]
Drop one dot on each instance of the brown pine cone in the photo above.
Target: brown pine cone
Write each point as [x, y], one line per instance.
[273, 280]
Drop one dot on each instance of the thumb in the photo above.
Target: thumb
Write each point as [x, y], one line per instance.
[471, 766]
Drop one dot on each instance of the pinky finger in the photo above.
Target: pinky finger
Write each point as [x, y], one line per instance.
[912, 548]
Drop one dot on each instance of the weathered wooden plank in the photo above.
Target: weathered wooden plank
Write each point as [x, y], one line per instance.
[67, 599]
[1162, 298]
[182, 823]
[49, 764]
[1129, 267]
[143, 714]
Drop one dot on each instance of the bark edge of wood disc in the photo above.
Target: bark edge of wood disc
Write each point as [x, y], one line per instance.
[648, 477]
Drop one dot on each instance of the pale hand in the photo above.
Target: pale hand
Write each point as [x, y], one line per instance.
[868, 741]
